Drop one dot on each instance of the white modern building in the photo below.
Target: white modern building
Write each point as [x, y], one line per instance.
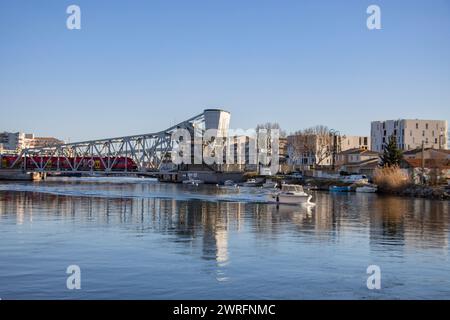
[409, 133]
[12, 141]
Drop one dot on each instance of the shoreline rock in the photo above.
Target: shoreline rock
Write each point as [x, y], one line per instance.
[427, 192]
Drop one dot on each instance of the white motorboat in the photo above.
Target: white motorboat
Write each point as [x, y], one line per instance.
[367, 189]
[269, 184]
[250, 183]
[229, 183]
[290, 194]
[194, 182]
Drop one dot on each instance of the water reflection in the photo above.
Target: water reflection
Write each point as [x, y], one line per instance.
[389, 220]
[220, 235]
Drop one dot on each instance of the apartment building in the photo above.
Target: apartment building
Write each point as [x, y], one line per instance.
[409, 133]
[13, 142]
[306, 151]
[352, 142]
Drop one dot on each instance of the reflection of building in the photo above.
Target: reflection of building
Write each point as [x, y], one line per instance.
[408, 222]
[409, 133]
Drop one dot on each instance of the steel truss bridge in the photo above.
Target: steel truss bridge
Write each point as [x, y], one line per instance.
[148, 152]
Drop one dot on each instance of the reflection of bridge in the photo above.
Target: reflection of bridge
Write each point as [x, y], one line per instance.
[145, 153]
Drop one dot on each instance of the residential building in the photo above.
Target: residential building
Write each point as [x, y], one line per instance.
[430, 171]
[14, 142]
[358, 160]
[352, 142]
[427, 153]
[409, 133]
[41, 142]
[306, 151]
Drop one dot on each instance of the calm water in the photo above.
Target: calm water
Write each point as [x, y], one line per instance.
[135, 238]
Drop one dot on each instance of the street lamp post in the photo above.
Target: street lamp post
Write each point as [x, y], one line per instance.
[334, 134]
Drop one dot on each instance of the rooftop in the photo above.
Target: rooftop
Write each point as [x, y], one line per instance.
[418, 150]
[428, 163]
[360, 151]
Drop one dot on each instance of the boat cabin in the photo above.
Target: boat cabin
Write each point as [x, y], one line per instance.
[291, 188]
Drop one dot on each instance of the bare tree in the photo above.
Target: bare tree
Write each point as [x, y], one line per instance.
[271, 125]
[316, 141]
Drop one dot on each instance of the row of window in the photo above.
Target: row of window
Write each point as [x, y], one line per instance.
[396, 124]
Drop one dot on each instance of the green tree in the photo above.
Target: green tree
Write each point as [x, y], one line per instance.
[392, 155]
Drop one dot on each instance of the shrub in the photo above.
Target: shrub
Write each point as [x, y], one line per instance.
[390, 179]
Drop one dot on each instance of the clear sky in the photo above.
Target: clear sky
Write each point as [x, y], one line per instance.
[140, 66]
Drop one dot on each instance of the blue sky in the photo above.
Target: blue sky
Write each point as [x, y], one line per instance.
[140, 66]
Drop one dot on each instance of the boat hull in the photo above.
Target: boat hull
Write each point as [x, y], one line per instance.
[290, 199]
[340, 189]
[366, 190]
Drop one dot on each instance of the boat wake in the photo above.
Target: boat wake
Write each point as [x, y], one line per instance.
[181, 195]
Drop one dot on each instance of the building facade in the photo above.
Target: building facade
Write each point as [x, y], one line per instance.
[410, 134]
[14, 142]
[358, 160]
[307, 151]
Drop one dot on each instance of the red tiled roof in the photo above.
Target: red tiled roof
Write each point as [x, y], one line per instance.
[429, 163]
[418, 150]
[365, 163]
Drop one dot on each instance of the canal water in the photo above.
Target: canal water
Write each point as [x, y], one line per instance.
[140, 239]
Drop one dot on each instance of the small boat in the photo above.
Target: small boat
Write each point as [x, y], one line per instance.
[269, 184]
[290, 194]
[194, 182]
[367, 189]
[340, 188]
[229, 183]
[250, 183]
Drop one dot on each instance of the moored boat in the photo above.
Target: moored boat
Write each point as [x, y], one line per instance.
[340, 188]
[367, 189]
[195, 182]
[229, 183]
[250, 183]
[269, 184]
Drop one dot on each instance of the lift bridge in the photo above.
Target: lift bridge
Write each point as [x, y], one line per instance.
[148, 153]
